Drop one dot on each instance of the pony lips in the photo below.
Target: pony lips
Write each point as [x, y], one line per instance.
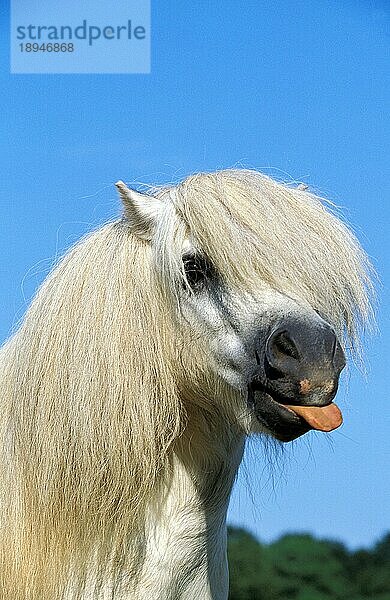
[287, 421]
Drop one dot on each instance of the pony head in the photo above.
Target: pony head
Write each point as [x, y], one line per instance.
[266, 286]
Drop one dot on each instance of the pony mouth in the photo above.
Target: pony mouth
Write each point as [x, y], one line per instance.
[288, 422]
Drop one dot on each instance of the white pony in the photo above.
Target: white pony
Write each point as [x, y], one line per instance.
[212, 310]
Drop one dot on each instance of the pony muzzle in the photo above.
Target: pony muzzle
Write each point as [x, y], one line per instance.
[294, 388]
[303, 363]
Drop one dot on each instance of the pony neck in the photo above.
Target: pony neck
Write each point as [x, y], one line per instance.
[186, 529]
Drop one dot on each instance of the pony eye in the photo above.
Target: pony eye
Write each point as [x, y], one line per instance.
[197, 270]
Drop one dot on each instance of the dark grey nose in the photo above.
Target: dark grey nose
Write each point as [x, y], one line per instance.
[303, 363]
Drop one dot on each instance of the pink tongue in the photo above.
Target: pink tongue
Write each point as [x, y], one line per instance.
[323, 418]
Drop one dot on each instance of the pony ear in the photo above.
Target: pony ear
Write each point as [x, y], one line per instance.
[141, 211]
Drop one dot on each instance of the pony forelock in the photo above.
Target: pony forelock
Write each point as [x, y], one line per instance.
[253, 228]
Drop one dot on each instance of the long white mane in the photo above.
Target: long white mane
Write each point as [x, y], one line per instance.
[93, 384]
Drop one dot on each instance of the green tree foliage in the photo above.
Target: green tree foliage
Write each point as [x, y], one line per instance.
[252, 576]
[304, 567]
[300, 567]
[370, 570]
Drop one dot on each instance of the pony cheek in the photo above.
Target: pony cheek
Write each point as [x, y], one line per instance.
[196, 371]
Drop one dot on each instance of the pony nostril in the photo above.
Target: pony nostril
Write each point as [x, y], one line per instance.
[282, 355]
[283, 345]
[338, 356]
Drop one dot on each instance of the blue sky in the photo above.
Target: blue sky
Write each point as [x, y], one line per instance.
[297, 89]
